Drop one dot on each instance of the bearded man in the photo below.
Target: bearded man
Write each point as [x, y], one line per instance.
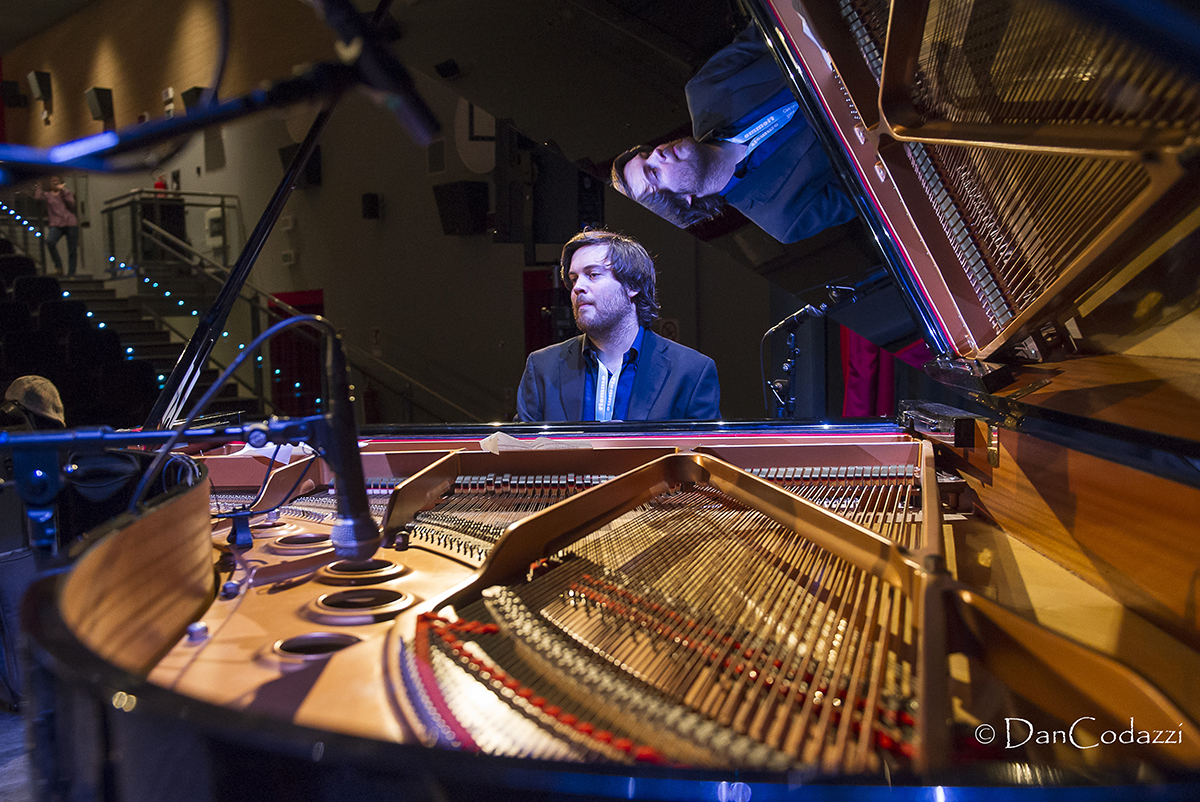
[752, 149]
[618, 369]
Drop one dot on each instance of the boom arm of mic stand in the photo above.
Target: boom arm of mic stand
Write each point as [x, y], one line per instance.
[110, 151]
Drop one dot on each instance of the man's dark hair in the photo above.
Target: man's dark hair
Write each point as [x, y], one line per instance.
[668, 205]
[629, 262]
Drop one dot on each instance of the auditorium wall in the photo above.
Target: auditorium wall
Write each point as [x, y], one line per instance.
[448, 310]
[138, 48]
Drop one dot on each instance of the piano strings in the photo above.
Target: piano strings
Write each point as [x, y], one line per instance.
[695, 630]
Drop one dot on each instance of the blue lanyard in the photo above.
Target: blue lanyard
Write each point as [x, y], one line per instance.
[606, 391]
[755, 134]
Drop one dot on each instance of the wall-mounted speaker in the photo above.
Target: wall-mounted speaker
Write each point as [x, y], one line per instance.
[462, 207]
[100, 103]
[10, 91]
[371, 209]
[39, 85]
[191, 97]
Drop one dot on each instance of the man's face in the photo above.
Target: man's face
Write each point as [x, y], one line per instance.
[683, 167]
[56, 183]
[599, 300]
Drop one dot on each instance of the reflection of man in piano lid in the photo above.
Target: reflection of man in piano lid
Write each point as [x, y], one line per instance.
[751, 149]
[618, 369]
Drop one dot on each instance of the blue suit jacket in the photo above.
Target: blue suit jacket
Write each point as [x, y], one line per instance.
[672, 382]
[794, 193]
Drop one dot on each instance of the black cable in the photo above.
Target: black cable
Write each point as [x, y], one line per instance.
[262, 487]
[762, 369]
[286, 496]
[209, 96]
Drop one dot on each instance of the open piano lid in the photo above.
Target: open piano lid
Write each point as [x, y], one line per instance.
[1028, 169]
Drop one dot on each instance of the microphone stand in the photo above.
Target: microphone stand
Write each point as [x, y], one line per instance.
[355, 535]
[41, 469]
[785, 405]
[41, 472]
[840, 297]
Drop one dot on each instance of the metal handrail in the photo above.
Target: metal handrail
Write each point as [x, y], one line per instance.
[166, 193]
[171, 242]
[361, 353]
[21, 239]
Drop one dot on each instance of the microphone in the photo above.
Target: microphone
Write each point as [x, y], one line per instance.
[808, 310]
[355, 534]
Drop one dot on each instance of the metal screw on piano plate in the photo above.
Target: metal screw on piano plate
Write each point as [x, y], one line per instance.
[197, 631]
[733, 792]
[881, 171]
[861, 133]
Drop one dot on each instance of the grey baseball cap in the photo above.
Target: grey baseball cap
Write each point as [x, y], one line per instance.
[37, 395]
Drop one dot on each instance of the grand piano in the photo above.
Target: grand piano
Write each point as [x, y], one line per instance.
[991, 598]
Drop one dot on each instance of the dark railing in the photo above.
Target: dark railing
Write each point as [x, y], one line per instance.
[217, 229]
[23, 223]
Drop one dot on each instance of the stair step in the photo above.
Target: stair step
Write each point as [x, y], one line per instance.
[89, 294]
[141, 338]
[75, 285]
[163, 363]
[177, 286]
[228, 390]
[159, 270]
[172, 306]
[153, 351]
[110, 305]
[135, 320]
[141, 325]
[116, 321]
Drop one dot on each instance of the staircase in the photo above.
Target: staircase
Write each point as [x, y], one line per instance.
[136, 318]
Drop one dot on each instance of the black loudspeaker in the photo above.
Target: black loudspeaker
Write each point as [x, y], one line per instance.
[370, 206]
[99, 102]
[39, 85]
[448, 69]
[462, 207]
[311, 176]
[10, 91]
[191, 97]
